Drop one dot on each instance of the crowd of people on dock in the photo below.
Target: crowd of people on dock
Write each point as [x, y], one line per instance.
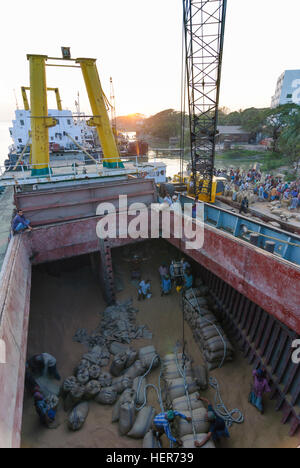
[266, 188]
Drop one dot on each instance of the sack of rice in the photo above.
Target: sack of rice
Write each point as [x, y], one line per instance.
[118, 364]
[171, 359]
[200, 376]
[172, 372]
[83, 364]
[150, 441]
[118, 348]
[189, 441]
[126, 418]
[139, 385]
[216, 344]
[127, 396]
[68, 385]
[105, 379]
[83, 376]
[94, 372]
[209, 332]
[143, 423]
[148, 356]
[218, 356]
[106, 396]
[181, 404]
[192, 293]
[176, 387]
[121, 383]
[132, 356]
[92, 389]
[78, 416]
[52, 401]
[135, 370]
[74, 397]
[200, 424]
[206, 321]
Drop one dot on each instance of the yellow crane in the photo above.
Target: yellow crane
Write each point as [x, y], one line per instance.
[41, 122]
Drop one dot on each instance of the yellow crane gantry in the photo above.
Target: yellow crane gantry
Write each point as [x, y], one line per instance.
[41, 122]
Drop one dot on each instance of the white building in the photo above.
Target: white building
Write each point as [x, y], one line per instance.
[66, 124]
[287, 89]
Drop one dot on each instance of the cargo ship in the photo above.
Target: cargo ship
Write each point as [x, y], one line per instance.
[61, 277]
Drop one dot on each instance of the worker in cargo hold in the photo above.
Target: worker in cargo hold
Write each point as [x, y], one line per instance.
[161, 425]
[46, 414]
[144, 291]
[217, 429]
[20, 223]
[260, 386]
[44, 364]
[166, 285]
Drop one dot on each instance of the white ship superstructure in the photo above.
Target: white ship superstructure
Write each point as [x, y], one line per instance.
[59, 136]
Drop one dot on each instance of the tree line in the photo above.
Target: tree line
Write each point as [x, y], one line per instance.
[281, 124]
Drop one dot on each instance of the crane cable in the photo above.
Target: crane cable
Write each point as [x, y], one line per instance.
[182, 372]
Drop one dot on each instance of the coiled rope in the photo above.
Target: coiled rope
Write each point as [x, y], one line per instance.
[220, 407]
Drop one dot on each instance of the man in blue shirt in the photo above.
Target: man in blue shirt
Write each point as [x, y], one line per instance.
[161, 425]
[20, 223]
[217, 429]
[166, 285]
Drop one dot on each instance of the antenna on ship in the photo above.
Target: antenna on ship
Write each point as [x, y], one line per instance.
[113, 107]
[16, 99]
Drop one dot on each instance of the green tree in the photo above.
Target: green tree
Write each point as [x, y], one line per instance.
[164, 125]
[289, 139]
[276, 120]
[253, 120]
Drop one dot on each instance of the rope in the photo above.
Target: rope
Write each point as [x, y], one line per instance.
[214, 325]
[186, 388]
[157, 389]
[220, 408]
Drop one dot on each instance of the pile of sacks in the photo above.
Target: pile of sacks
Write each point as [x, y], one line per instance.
[118, 324]
[207, 331]
[103, 375]
[196, 380]
[280, 209]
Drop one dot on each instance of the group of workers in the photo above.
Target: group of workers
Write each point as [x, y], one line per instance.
[41, 365]
[178, 274]
[218, 429]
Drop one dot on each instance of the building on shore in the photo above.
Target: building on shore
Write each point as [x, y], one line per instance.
[287, 89]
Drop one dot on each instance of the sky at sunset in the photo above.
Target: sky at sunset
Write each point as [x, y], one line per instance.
[138, 43]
